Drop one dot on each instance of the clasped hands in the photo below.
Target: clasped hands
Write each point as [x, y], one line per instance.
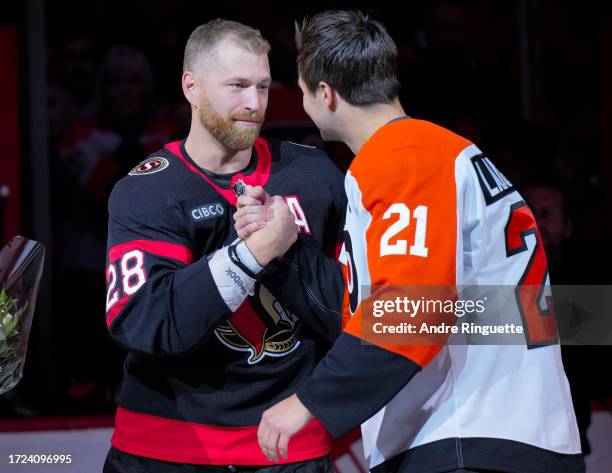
[268, 227]
[265, 223]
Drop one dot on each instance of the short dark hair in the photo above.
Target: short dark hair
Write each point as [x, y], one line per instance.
[205, 37]
[351, 52]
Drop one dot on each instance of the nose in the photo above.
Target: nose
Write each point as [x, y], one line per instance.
[253, 99]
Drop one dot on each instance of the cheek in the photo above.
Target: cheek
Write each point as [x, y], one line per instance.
[234, 103]
[306, 105]
[217, 97]
[215, 104]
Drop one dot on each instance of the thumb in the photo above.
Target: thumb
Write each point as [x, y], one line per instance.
[259, 193]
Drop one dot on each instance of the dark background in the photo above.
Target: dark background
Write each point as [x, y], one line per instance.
[99, 89]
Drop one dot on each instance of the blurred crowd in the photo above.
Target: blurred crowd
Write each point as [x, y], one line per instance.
[114, 97]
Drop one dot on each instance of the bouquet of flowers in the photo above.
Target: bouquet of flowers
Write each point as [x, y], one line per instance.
[21, 264]
[11, 345]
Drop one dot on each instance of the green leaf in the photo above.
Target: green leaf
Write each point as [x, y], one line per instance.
[11, 326]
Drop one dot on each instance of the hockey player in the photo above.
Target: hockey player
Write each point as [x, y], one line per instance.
[218, 329]
[425, 207]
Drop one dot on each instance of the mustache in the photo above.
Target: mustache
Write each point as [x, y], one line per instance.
[248, 116]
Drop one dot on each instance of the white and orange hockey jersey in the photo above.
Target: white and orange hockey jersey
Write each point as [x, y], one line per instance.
[427, 207]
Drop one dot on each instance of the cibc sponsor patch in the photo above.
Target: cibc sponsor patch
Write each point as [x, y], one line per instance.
[207, 211]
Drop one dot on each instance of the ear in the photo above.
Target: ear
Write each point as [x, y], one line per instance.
[328, 95]
[190, 88]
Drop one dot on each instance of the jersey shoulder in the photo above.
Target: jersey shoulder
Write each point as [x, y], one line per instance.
[146, 192]
[408, 153]
[410, 142]
[436, 137]
[308, 160]
[142, 176]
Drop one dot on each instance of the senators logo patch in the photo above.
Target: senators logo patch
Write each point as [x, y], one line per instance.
[262, 327]
[150, 166]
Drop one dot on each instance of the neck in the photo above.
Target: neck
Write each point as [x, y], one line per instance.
[208, 153]
[363, 122]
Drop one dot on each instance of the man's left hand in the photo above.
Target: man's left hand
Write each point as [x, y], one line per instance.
[278, 424]
[254, 210]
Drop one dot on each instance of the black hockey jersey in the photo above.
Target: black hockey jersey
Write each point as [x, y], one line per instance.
[199, 374]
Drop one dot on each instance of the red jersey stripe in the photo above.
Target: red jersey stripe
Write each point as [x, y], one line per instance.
[114, 310]
[188, 442]
[159, 248]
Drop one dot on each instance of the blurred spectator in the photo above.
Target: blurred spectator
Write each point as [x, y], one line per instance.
[78, 66]
[125, 107]
[89, 157]
[126, 128]
[551, 211]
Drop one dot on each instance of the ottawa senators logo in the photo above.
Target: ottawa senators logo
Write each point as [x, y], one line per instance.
[149, 166]
[262, 327]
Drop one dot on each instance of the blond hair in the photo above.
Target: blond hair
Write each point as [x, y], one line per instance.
[204, 38]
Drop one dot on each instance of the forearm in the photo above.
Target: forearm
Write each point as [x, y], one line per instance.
[310, 284]
[353, 382]
[177, 310]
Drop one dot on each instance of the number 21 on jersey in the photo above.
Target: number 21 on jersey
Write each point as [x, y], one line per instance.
[402, 214]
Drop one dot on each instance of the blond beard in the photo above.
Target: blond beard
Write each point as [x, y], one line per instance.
[226, 131]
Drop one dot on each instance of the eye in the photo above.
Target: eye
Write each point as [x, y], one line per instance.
[236, 85]
[264, 87]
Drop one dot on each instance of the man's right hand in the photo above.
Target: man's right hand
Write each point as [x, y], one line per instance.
[277, 236]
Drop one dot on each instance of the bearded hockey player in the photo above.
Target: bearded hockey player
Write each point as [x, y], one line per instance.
[218, 329]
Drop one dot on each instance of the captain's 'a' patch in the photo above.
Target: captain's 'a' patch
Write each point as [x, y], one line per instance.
[150, 166]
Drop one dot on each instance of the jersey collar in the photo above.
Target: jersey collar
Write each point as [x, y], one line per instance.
[259, 177]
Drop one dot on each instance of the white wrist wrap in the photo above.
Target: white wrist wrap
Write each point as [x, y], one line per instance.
[233, 283]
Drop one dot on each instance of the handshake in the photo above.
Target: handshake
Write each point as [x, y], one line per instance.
[269, 228]
[265, 223]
